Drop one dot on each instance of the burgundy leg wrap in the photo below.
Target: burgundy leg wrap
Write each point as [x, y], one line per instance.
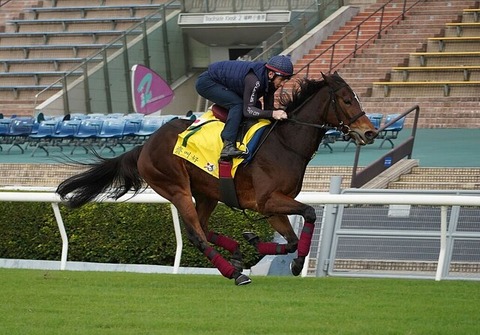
[225, 268]
[271, 248]
[223, 241]
[305, 239]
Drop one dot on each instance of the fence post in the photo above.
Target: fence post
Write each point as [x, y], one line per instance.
[443, 244]
[328, 229]
[63, 235]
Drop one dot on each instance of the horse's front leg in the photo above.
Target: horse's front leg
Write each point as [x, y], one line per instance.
[230, 245]
[282, 225]
[281, 204]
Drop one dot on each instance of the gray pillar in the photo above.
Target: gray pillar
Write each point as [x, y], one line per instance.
[328, 229]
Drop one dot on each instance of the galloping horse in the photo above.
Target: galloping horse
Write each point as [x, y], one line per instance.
[267, 185]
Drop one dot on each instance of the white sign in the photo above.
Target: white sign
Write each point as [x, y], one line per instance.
[235, 18]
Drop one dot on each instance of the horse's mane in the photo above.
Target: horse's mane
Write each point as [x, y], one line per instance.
[303, 89]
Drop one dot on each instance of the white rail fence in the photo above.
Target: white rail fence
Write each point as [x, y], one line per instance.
[444, 201]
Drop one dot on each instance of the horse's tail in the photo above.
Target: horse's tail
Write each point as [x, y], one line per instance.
[113, 177]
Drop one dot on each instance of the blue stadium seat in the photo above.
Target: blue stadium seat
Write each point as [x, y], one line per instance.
[43, 137]
[64, 134]
[111, 134]
[376, 119]
[149, 125]
[18, 131]
[391, 132]
[330, 137]
[87, 133]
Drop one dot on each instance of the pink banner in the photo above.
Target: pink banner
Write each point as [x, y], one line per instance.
[150, 92]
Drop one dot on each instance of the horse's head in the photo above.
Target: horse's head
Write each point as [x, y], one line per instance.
[346, 113]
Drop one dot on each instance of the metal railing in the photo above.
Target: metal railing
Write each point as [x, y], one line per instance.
[405, 149]
[439, 230]
[362, 37]
[2, 3]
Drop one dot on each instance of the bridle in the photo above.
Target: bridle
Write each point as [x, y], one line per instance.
[342, 126]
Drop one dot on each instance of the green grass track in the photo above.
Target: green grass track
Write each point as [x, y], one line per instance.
[67, 302]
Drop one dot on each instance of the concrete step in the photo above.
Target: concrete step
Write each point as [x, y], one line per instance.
[445, 170]
[433, 186]
[317, 178]
[439, 179]
[38, 175]
[447, 178]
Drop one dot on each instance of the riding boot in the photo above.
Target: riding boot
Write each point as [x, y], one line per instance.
[229, 151]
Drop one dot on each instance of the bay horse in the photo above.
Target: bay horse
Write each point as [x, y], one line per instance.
[268, 184]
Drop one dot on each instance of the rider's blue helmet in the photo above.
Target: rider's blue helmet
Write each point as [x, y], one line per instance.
[281, 65]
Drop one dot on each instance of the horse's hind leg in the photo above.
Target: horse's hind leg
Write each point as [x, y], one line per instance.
[197, 236]
[282, 225]
[205, 207]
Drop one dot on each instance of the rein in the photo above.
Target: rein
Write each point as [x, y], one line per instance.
[343, 127]
[319, 126]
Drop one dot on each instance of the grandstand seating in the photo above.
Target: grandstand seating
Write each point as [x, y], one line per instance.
[452, 43]
[15, 131]
[100, 131]
[64, 24]
[52, 50]
[55, 36]
[453, 105]
[43, 135]
[111, 134]
[130, 9]
[444, 70]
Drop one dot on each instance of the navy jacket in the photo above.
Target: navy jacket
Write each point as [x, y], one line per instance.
[250, 81]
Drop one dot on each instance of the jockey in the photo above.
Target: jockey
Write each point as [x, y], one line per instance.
[238, 86]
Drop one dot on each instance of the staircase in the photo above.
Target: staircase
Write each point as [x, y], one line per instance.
[375, 61]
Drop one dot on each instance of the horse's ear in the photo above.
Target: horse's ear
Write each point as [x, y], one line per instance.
[324, 76]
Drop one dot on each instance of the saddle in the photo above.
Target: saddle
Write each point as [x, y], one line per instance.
[200, 144]
[220, 112]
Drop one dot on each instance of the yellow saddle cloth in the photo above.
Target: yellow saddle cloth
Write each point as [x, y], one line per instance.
[200, 144]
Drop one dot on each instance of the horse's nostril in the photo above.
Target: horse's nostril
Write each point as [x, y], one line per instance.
[370, 135]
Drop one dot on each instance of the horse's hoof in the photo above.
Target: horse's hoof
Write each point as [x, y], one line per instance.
[242, 280]
[296, 267]
[251, 238]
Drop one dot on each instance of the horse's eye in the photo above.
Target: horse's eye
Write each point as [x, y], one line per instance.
[348, 102]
